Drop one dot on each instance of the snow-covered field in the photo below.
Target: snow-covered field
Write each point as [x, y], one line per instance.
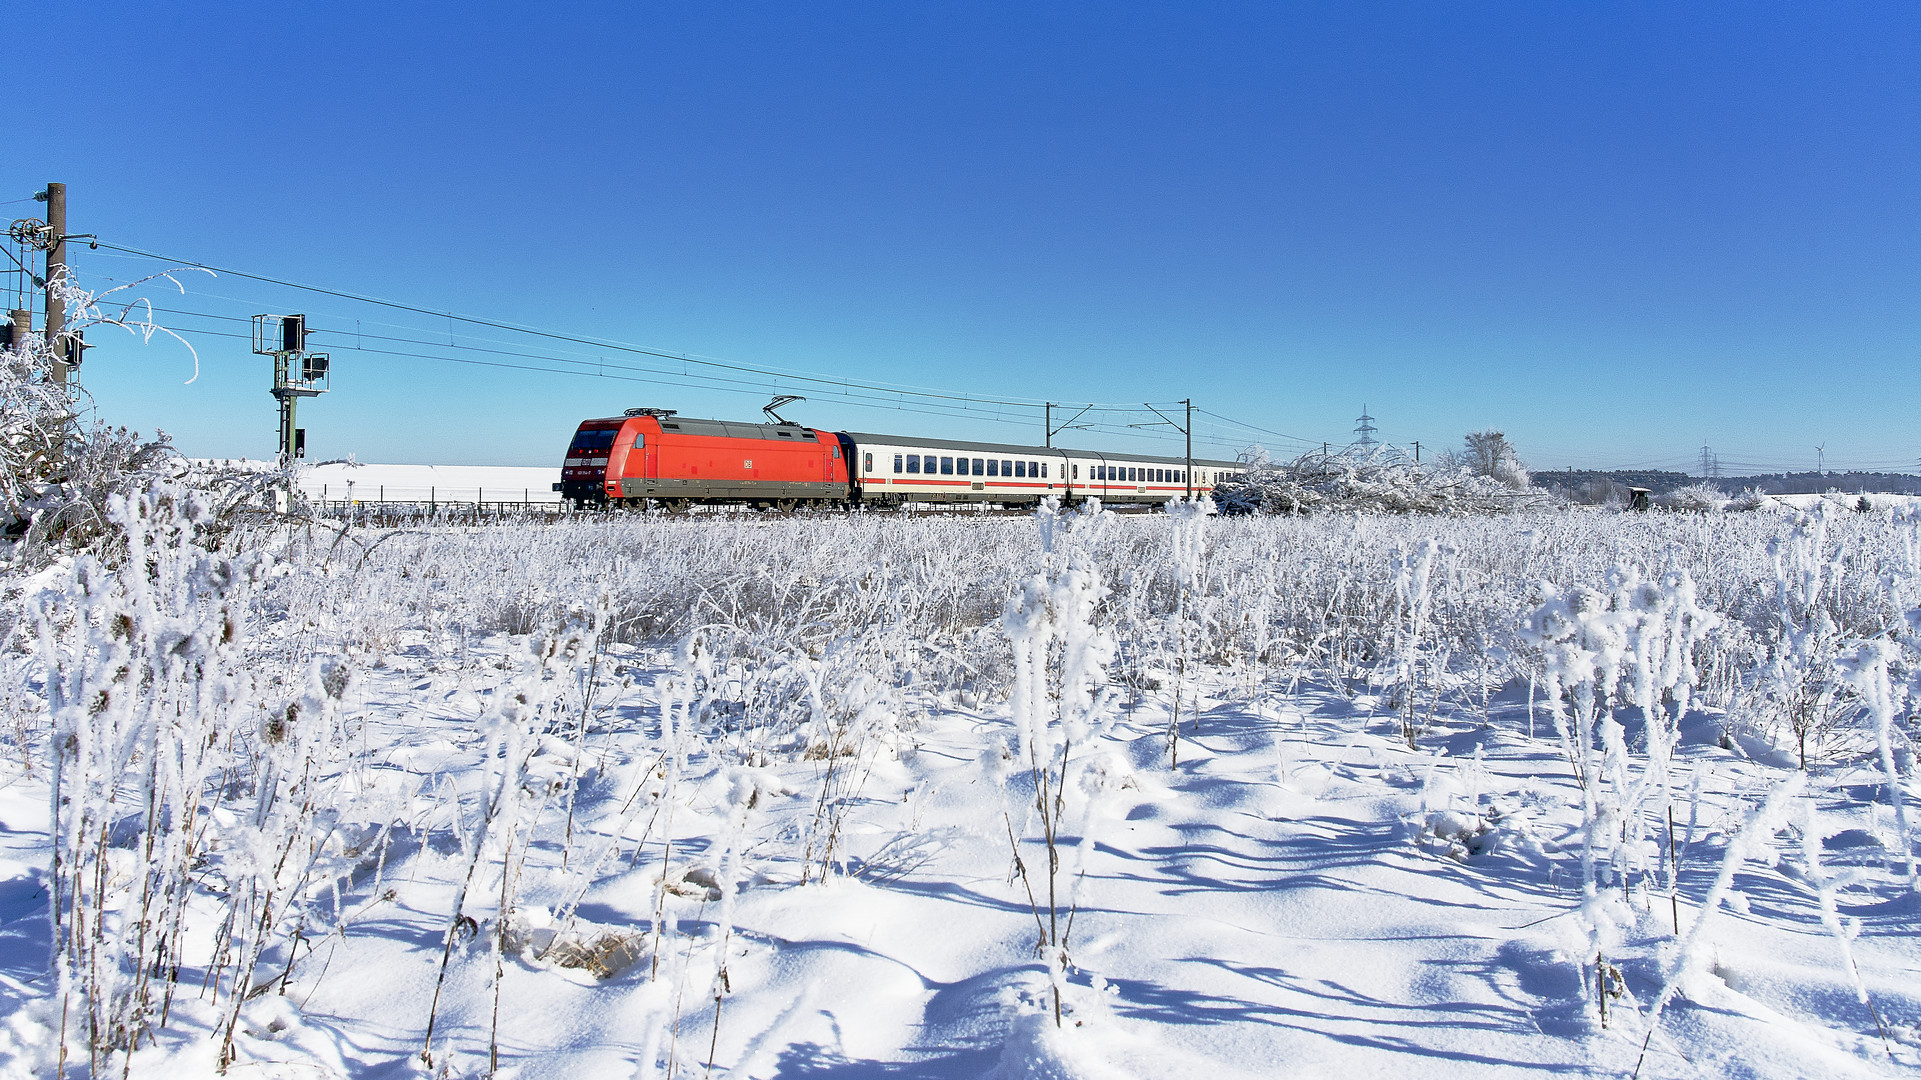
[439, 483]
[1333, 796]
[337, 481]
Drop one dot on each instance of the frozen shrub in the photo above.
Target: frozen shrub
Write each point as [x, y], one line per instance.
[1488, 453]
[1701, 498]
[58, 469]
[1376, 479]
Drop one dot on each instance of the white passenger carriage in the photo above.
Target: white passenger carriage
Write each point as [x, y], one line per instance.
[895, 469]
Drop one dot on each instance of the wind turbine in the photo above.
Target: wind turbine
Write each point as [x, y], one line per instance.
[1820, 460]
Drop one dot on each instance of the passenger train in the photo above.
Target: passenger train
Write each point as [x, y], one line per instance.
[659, 458]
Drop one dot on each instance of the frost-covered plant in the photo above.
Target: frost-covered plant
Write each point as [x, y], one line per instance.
[1588, 643]
[1754, 839]
[1700, 498]
[1488, 453]
[1189, 519]
[516, 780]
[1865, 668]
[1413, 576]
[181, 769]
[57, 471]
[1371, 479]
[1801, 684]
[1826, 887]
[1058, 707]
[147, 686]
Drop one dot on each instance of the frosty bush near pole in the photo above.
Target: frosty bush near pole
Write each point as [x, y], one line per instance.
[56, 474]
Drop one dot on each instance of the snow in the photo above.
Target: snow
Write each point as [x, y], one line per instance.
[758, 799]
[445, 483]
[338, 480]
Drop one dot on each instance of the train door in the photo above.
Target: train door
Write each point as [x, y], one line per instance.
[645, 463]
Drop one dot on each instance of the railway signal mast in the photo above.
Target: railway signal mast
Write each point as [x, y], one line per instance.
[297, 373]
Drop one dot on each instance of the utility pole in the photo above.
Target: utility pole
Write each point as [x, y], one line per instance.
[1417, 451]
[1047, 423]
[1187, 430]
[1069, 422]
[56, 196]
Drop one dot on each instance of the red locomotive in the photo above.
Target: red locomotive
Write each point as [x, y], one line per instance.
[656, 457]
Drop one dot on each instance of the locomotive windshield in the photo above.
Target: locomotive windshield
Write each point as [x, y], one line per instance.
[585, 442]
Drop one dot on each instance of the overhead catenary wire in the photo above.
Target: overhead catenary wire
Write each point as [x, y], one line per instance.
[599, 343]
[853, 392]
[631, 375]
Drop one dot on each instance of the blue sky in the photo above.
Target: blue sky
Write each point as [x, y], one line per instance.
[1615, 231]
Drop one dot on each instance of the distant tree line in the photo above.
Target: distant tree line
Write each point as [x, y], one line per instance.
[1661, 482]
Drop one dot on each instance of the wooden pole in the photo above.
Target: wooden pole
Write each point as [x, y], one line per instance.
[57, 270]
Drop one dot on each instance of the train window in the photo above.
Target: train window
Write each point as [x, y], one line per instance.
[867, 462]
[1020, 468]
[1043, 470]
[1075, 472]
[1134, 475]
[1098, 472]
[980, 467]
[640, 439]
[913, 463]
[896, 463]
[993, 466]
[947, 466]
[1007, 467]
[836, 448]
